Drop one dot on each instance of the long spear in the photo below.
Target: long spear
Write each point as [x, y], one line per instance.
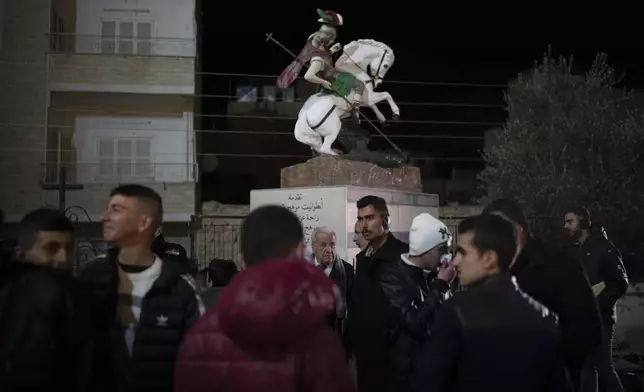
[269, 37]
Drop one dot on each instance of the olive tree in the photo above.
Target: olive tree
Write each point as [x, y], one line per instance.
[571, 140]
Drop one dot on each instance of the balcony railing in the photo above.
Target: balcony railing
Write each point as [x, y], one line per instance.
[70, 43]
[112, 173]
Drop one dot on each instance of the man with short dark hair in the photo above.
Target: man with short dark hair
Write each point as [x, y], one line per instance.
[217, 276]
[45, 237]
[491, 336]
[37, 313]
[368, 317]
[557, 281]
[142, 305]
[271, 233]
[374, 221]
[268, 330]
[607, 275]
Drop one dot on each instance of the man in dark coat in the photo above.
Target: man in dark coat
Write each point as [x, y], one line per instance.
[41, 335]
[369, 315]
[491, 336]
[560, 283]
[141, 304]
[603, 264]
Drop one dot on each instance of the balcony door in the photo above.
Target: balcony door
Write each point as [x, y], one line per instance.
[127, 37]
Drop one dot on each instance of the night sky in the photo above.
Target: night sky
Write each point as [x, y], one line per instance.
[233, 42]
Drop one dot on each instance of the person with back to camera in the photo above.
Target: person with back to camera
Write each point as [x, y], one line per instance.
[269, 329]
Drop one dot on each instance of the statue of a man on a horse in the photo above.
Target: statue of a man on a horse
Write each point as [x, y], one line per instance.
[344, 86]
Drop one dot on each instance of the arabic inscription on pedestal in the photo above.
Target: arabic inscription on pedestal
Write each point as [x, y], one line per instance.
[307, 210]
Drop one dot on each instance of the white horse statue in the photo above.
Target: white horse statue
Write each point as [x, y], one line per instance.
[359, 70]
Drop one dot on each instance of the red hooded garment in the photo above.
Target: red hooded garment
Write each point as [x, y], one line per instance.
[267, 332]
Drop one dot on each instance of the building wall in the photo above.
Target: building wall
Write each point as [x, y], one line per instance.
[170, 141]
[23, 100]
[128, 74]
[173, 22]
[77, 151]
[67, 106]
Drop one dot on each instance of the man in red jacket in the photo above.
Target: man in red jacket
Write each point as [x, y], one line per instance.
[268, 329]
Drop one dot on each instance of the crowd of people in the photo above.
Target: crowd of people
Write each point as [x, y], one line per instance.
[495, 310]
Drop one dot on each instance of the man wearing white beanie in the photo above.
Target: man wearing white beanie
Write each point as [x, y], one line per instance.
[415, 288]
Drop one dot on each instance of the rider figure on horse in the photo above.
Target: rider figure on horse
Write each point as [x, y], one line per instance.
[319, 50]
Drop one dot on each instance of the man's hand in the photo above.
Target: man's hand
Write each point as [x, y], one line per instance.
[446, 272]
[335, 48]
[327, 85]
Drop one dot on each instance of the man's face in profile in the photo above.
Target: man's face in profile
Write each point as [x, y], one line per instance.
[572, 225]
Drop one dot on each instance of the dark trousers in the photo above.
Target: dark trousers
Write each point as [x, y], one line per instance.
[599, 366]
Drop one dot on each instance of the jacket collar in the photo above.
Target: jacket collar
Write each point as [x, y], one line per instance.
[491, 280]
[531, 255]
[170, 271]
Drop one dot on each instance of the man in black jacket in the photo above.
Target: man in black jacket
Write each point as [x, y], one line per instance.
[558, 282]
[40, 345]
[368, 314]
[172, 251]
[603, 264]
[141, 304]
[490, 336]
[414, 297]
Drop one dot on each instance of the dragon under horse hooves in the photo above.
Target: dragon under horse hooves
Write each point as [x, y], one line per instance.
[343, 86]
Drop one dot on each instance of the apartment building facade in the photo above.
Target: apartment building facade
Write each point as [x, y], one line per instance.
[97, 93]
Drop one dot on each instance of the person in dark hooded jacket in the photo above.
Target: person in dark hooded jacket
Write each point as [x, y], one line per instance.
[41, 333]
[607, 275]
[268, 330]
[560, 283]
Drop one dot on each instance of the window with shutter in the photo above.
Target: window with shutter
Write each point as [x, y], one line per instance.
[143, 159]
[125, 159]
[105, 158]
[108, 37]
[124, 153]
[126, 38]
[144, 38]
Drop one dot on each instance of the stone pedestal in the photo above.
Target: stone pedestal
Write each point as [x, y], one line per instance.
[328, 170]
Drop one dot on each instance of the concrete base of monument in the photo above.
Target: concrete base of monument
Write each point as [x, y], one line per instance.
[326, 170]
